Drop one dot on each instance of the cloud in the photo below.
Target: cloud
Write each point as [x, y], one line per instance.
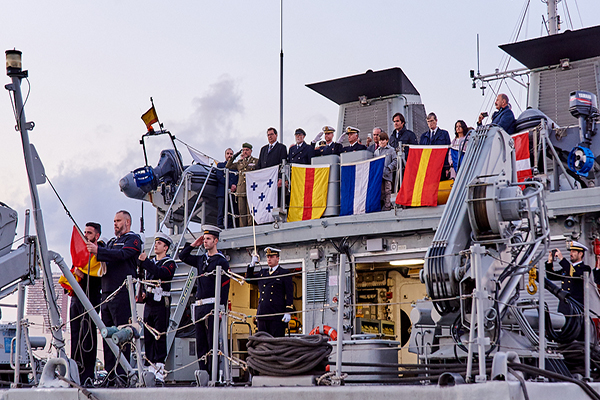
[214, 114]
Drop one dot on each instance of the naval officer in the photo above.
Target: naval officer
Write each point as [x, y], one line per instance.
[571, 273]
[300, 153]
[205, 287]
[276, 294]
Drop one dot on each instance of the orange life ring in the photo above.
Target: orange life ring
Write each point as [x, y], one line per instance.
[327, 330]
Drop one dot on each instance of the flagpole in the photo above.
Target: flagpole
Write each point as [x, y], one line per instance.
[281, 70]
[254, 231]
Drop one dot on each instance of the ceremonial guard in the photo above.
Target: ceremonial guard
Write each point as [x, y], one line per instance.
[276, 294]
[205, 287]
[156, 297]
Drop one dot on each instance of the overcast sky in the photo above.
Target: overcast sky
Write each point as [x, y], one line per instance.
[213, 71]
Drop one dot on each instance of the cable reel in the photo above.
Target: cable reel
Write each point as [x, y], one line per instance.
[493, 203]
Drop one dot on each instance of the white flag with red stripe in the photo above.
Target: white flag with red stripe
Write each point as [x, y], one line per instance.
[522, 155]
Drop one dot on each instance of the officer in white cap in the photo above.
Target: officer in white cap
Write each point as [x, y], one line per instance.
[276, 294]
[330, 146]
[205, 287]
[157, 302]
[353, 143]
[570, 273]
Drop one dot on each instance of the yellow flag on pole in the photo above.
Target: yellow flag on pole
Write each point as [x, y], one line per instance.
[308, 192]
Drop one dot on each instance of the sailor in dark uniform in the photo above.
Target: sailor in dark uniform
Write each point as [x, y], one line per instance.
[205, 287]
[300, 153]
[157, 304]
[571, 273]
[121, 256]
[330, 146]
[353, 145]
[276, 294]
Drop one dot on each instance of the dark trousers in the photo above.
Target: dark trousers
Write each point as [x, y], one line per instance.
[274, 327]
[204, 335]
[114, 313]
[156, 314]
[84, 339]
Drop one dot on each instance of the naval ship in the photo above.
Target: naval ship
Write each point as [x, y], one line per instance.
[427, 302]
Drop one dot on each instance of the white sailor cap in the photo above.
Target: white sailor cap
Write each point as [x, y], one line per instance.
[211, 230]
[575, 245]
[272, 251]
[351, 129]
[328, 129]
[163, 238]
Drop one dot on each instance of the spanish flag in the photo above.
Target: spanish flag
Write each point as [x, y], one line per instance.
[422, 176]
[80, 257]
[309, 192]
[150, 117]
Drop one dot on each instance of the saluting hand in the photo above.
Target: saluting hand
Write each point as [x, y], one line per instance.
[198, 242]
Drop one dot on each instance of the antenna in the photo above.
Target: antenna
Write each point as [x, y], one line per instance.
[281, 72]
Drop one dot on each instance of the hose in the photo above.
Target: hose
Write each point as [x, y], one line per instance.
[287, 356]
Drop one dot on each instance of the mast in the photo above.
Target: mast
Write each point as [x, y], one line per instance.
[14, 71]
[552, 16]
[281, 72]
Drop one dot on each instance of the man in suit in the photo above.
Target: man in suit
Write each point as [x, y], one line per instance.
[503, 117]
[276, 294]
[329, 147]
[352, 133]
[300, 153]
[437, 137]
[272, 153]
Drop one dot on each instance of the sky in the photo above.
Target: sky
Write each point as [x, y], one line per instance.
[212, 69]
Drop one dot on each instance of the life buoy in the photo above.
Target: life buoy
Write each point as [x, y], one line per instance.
[327, 330]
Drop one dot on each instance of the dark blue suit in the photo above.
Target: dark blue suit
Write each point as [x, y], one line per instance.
[355, 147]
[441, 138]
[505, 119]
[300, 154]
[271, 158]
[331, 148]
[276, 297]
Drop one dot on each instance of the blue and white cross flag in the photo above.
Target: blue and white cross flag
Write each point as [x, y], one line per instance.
[261, 192]
[360, 186]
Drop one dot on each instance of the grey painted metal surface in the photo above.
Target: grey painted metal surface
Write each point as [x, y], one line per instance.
[489, 391]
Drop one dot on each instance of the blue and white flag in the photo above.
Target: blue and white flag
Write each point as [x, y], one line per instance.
[360, 186]
[261, 192]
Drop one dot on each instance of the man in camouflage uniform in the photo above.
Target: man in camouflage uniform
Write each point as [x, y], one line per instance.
[247, 163]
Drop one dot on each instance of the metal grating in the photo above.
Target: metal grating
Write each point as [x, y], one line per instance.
[316, 286]
[556, 85]
[366, 118]
[419, 119]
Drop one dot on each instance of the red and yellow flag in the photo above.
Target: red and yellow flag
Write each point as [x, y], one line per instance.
[79, 252]
[422, 176]
[150, 117]
[309, 192]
